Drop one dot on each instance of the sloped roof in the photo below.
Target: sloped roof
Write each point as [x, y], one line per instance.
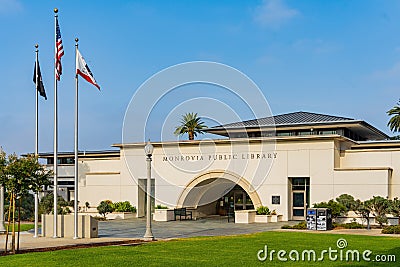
[300, 117]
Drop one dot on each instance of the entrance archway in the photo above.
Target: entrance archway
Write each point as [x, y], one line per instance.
[205, 191]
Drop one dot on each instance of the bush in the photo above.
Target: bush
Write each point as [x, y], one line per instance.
[352, 225]
[105, 207]
[46, 205]
[393, 229]
[123, 207]
[263, 210]
[300, 226]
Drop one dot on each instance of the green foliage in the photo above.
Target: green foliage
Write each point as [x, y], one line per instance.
[123, 207]
[394, 122]
[105, 207]
[263, 210]
[19, 175]
[190, 124]
[394, 207]
[352, 225]
[347, 201]
[393, 229]
[336, 208]
[46, 205]
[26, 209]
[300, 226]
[159, 206]
[379, 206]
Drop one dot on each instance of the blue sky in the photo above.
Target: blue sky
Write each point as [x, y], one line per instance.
[333, 57]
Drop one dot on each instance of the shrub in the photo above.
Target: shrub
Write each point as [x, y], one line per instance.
[46, 205]
[300, 226]
[263, 210]
[124, 206]
[352, 225]
[393, 229]
[379, 207]
[105, 207]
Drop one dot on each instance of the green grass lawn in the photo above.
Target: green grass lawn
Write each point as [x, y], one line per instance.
[24, 227]
[214, 251]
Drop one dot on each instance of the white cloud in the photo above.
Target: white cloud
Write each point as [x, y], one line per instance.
[274, 13]
[9, 6]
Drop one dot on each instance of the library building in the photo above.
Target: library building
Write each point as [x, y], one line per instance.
[286, 162]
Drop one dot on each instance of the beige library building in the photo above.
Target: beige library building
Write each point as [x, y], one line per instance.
[285, 162]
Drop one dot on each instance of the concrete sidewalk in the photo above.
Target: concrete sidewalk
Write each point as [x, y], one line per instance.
[131, 231]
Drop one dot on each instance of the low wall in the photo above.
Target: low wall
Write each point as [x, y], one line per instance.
[87, 226]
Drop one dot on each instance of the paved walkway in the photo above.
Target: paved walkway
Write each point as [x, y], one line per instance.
[218, 226]
[131, 231]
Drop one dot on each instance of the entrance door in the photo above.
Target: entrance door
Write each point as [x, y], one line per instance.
[239, 200]
[298, 205]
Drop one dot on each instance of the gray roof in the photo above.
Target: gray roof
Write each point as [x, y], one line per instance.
[300, 117]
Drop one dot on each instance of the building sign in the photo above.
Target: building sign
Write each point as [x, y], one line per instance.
[276, 200]
[222, 156]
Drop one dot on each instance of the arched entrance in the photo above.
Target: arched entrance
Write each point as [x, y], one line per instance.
[212, 192]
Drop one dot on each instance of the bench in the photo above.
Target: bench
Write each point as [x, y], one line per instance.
[182, 213]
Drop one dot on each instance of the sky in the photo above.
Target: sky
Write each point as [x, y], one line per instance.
[332, 57]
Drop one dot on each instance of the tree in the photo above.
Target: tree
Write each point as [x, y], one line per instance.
[363, 210]
[394, 122]
[19, 176]
[190, 124]
[347, 201]
[46, 205]
[105, 207]
[379, 207]
[394, 207]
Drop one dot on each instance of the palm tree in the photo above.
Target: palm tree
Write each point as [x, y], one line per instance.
[394, 122]
[190, 124]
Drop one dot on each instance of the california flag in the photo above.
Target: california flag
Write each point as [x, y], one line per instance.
[83, 69]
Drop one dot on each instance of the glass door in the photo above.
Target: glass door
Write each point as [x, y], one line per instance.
[298, 205]
[239, 200]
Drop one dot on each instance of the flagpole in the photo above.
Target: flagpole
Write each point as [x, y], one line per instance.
[76, 146]
[55, 169]
[36, 135]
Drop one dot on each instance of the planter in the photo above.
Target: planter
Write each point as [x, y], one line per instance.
[276, 218]
[262, 218]
[163, 215]
[245, 216]
[87, 226]
[120, 215]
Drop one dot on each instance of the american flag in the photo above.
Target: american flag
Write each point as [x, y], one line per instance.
[59, 51]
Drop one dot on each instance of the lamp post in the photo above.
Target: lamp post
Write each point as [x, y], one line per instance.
[2, 228]
[148, 149]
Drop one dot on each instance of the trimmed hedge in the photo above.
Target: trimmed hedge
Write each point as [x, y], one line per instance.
[393, 229]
